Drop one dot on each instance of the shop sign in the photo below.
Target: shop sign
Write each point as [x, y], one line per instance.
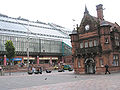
[44, 58]
[48, 58]
[15, 59]
[54, 58]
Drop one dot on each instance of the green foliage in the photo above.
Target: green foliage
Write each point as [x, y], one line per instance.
[10, 49]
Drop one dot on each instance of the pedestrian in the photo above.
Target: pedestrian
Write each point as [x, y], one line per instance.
[0, 71]
[106, 69]
[33, 69]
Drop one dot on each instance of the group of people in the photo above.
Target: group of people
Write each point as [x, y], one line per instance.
[35, 70]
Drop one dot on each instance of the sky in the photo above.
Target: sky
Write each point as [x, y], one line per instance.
[60, 12]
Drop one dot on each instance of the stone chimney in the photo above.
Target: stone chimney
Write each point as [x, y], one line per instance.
[99, 9]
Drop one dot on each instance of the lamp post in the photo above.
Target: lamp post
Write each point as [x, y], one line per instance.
[27, 42]
[28, 46]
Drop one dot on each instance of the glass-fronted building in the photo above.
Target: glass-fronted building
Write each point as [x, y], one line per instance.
[46, 42]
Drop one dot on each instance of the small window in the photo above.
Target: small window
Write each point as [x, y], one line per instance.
[95, 43]
[106, 40]
[90, 44]
[101, 63]
[117, 43]
[86, 44]
[81, 45]
[116, 38]
[78, 63]
[116, 60]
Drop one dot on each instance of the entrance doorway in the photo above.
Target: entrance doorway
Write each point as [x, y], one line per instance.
[89, 66]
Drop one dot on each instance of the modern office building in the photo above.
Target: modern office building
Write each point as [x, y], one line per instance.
[47, 43]
[95, 43]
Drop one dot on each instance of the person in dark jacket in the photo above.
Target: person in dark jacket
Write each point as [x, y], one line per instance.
[106, 69]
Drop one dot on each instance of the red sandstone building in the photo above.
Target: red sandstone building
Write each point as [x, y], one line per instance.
[95, 43]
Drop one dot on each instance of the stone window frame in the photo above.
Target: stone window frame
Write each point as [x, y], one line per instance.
[115, 60]
[91, 43]
[95, 42]
[86, 44]
[81, 45]
[117, 43]
[106, 40]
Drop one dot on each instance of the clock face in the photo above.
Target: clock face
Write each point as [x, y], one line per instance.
[87, 27]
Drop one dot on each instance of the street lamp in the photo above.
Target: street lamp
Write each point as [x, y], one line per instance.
[28, 45]
[27, 41]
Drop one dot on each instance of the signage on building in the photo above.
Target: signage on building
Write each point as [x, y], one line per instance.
[30, 58]
[48, 58]
[15, 59]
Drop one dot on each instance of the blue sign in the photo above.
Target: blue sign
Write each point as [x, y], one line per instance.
[15, 59]
[1, 59]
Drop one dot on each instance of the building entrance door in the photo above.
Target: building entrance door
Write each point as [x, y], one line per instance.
[89, 66]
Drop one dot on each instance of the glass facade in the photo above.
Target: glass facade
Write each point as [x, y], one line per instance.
[35, 45]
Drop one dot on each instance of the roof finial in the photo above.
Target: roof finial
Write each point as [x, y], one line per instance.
[86, 11]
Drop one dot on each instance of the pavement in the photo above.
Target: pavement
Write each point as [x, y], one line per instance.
[60, 81]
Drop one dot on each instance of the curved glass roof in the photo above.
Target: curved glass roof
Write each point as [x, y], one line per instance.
[20, 26]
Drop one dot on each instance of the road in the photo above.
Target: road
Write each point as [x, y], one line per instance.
[60, 81]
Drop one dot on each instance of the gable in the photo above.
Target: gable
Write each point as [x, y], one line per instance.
[88, 24]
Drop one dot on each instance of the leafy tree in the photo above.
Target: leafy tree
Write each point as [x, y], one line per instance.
[10, 49]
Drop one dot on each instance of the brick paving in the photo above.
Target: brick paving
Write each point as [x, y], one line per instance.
[104, 83]
[61, 81]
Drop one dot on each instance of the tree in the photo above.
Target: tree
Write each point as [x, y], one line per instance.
[10, 50]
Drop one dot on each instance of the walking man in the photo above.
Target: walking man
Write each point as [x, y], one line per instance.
[106, 67]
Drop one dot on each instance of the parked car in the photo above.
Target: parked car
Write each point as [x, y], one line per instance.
[70, 69]
[60, 70]
[55, 67]
[67, 67]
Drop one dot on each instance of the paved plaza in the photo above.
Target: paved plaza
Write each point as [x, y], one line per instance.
[60, 81]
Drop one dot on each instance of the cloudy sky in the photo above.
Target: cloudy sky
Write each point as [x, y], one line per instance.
[60, 12]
